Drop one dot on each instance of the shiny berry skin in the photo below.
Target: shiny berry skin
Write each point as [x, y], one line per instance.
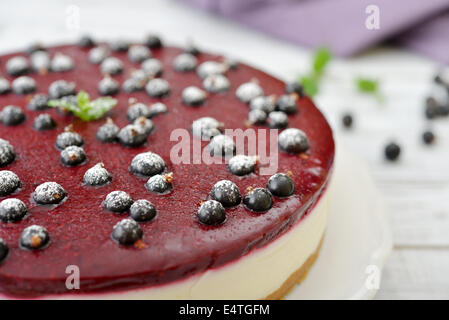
[5, 87]
[293, 140]
[145, 124]
[7, 153]
[160, 183]
[138, 53]
[216, 83]
[49, 193]
[157, 88]
[34, 238]
[231, 63]
[278, 120]
[147, 164]
[428, 137]
[431, 108]
[257, 116]
[61, 63]
[119, 45]
[40, 61]
[281, 185]
[185, 62]
[211, 213]
[108, 86]
[23, 85]
[35, 47]
[97, 175]
[44, 122]
[241, 165]
[191, 49]
[392, 151]
[12, 210]
[73, 156]
[38, 102]
[287, 103]
[3, 250]
[127, 232]
[206, 128]
[67, 139]
[133, 85]
[137, 110]
[258, 200]
[157, 108]
[209, 68]
[227, 193]
[294, 87]
[9, 182]
[142, 211]
[221, 146]
[264, 103]
[98, 54]
[142, 75]
[108, 132]
[118, 201]
[347, 120]
[193, 96]
[132, 136]
[153, 42]
[152, 67]
[86, 41]
[111, 66]
[248, 91]
[17, 66]
[438, 79]
[61, 88]
[12, 116]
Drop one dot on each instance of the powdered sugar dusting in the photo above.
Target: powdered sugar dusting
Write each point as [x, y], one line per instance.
[293, 140]
[147, 164]
[206, 128]
[49, 193]
[7, 153]
[97, 175]
[242, 164]
[9, 182]
[248, 91]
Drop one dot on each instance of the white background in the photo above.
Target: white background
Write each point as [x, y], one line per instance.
[416, 188]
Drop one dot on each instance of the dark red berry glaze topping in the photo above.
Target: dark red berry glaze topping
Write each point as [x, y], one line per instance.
[175, 244]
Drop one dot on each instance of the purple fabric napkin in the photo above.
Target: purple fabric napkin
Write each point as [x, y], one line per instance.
[420, 25]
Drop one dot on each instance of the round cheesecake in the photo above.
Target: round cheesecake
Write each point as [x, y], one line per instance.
[253, 247]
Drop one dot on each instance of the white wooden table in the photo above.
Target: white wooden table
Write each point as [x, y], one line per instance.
[416, 188]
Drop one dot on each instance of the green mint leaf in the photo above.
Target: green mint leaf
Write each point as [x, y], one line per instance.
[310, 85]
[60, 103]
[370, 86]
[85, 109]
[100, 106]
[83, 99]
[367, 85]
[310, 82]
[65, 104]
[321, 59]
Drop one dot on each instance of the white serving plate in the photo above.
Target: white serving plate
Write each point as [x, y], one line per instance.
[358, 238]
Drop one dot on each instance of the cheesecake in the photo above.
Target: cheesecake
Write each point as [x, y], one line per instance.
[156, 172]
